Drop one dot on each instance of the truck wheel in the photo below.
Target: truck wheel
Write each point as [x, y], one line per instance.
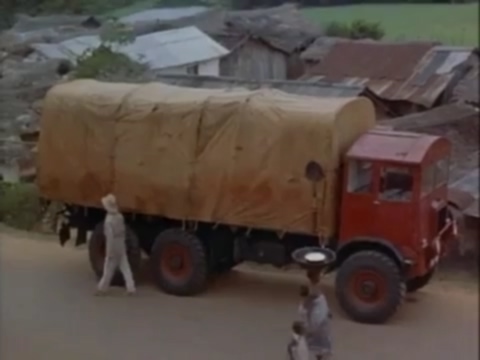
[179, 263]
[97, 252]
[369, 287]
[419, 282]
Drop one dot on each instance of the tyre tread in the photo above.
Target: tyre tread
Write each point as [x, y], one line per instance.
[198, 281]
[371, 258]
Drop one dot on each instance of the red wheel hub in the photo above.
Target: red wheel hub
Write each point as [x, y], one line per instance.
[176, 261]
[368, 286]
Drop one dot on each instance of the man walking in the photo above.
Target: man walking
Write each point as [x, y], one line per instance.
[116, 248]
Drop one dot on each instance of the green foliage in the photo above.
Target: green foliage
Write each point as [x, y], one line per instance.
[357, 29]
[104, 61]
[450, 24]
[362, 29]
[338, 29]
[20, 206]
[72, 6]
[223, 4]
[8, 8]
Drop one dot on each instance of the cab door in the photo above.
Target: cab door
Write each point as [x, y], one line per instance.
[394, 204]
[358, 200]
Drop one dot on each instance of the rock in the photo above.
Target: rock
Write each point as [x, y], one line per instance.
[37, 107]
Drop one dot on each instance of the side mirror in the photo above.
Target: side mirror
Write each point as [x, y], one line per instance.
[314, 171]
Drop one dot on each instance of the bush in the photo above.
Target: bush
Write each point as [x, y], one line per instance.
[338, 29]
[20, 205]
[358, 29]
[361, 29]
[104, 61]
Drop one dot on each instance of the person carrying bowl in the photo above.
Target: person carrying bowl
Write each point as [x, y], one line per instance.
[316, 316]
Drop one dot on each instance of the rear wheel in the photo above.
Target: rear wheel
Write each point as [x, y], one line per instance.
[179, 263]
[369, 287]
[419, 282]
[97, 252]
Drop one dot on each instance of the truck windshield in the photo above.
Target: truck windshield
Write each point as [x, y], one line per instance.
[434, 176]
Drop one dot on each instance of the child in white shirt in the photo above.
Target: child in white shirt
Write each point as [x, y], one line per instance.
[297, 347]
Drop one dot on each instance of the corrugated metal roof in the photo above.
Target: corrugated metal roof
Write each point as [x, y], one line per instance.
[320, 89]
[470, 183]
[467, 90]
[418, 72]
[438, 116]
[320, 47]
[163, 14]
[158, 50]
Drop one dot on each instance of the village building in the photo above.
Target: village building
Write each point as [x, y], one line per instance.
[466, 90]
[179, 51]
[408, 77]
[251, 58]
[283, 29]
[257, 39]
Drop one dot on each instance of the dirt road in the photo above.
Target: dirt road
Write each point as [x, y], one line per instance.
[48, 312]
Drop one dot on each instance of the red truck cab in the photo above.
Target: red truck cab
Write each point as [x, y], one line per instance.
[394, 199]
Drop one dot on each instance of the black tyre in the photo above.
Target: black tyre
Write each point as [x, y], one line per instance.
[97, 251]
[179, 263]
[419, 282]
[370, 287]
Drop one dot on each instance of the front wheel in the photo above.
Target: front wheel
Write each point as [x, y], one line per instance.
[419, 282]
[179, 263]
[370, 287]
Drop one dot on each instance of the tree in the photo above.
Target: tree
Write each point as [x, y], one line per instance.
[106, 60]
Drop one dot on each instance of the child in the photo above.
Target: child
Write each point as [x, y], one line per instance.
[297, 347]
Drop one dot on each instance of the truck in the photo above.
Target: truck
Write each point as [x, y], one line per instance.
[210, 178]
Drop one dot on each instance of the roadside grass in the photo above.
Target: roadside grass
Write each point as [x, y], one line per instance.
[451, 24]
[20, 205]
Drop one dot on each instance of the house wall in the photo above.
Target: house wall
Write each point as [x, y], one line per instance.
[255, 61]
[295, 66]
[207, 68]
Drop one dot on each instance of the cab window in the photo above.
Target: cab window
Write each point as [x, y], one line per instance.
[434, 176]
[360, 176]
[441, 172]
[428, 179]
[396, 184]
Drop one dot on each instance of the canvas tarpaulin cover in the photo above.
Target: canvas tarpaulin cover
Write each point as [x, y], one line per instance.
[234, 157]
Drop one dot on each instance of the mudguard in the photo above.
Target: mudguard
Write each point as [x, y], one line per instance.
[370, 243]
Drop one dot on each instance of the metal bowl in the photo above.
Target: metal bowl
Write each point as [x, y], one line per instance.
[314, 257]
